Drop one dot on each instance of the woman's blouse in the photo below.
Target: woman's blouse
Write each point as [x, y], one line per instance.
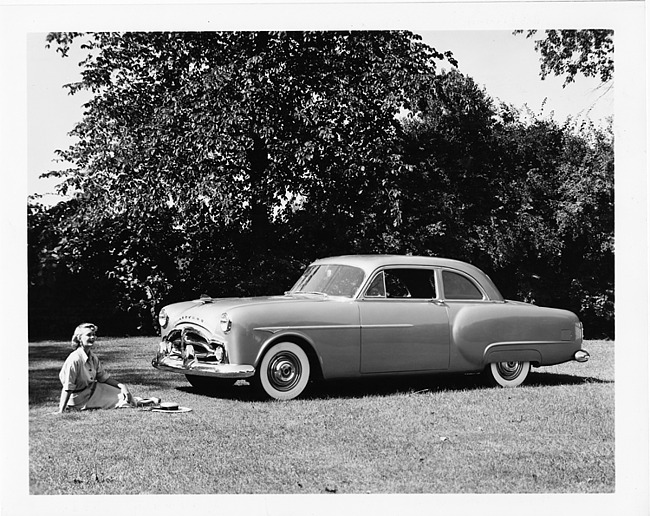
[80, 370]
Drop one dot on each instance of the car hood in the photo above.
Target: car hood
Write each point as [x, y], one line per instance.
[206, 312]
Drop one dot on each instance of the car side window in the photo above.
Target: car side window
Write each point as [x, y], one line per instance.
[403, 284]
[395, 287]
[377, 288]
[459, 287]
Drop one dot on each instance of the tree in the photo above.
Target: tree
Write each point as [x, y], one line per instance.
[199, 149]
[452, 183]
[527, 199]
[569, 52]
[65, 290]
[222, 163]
[586, 223]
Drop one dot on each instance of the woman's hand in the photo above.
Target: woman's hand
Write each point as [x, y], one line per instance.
[126, 393]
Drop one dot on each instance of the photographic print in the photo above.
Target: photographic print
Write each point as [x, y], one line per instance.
[281, 261]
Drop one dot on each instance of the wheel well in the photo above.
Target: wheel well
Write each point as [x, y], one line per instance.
[510, 353]
[314, 362]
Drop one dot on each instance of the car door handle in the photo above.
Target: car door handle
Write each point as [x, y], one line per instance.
[438, 302]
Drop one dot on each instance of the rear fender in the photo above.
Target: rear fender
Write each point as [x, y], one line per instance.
[484, 333]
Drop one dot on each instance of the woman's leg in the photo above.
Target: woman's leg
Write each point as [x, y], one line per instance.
[106, 397]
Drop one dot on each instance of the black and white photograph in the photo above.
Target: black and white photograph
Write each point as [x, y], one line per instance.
[321, 258]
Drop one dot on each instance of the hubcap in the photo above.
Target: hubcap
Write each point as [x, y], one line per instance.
[510, 370]
[284, 371]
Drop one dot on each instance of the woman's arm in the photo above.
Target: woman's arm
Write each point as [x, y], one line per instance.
[120, 386]
[68, 377]
[65, 396]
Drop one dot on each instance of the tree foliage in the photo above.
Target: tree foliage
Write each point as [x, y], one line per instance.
[569, 52]
[223, 163]
[527, 199]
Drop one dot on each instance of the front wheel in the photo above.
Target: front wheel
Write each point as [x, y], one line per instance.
[283, 373]
[508, 374]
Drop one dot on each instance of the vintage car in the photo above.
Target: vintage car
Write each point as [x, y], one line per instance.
[362, 316]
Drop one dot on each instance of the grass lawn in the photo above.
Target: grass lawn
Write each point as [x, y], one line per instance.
[440, 434]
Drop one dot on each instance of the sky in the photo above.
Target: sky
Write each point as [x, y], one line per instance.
[506, 65]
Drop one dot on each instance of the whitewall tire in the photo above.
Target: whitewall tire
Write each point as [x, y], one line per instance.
[508, 374]
[283, 373]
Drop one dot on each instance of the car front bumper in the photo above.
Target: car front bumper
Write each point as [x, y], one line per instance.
[177, 364]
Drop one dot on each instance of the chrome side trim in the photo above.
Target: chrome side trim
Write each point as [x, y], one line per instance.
[276, 329]
[520, 343]
[365, 326]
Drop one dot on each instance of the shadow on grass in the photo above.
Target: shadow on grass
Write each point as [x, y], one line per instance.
[359, 388]
[130, 362]
[46, 360]
[44, 384]
[553, 379]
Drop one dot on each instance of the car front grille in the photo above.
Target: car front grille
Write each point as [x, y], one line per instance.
[204, 348]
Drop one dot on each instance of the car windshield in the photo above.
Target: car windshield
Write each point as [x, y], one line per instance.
[331, 280]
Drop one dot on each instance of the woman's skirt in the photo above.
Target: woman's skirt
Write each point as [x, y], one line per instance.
[98, 396]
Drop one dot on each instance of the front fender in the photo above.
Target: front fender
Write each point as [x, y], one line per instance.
[282, 336]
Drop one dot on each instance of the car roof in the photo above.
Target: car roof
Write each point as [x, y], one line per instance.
[371, 262]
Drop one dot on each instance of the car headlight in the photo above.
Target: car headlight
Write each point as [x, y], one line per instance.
[163, 319]
[225, 323]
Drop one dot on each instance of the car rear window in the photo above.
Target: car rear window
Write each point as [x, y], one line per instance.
[459, 287]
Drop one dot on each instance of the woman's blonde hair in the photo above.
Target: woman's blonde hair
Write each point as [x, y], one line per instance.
[76, 336]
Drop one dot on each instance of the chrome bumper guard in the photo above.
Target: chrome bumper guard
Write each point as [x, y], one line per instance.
[581, 356]
[176, 364]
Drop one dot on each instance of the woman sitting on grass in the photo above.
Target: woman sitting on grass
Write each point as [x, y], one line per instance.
[86, 385]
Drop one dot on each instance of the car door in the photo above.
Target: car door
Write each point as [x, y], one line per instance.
[403, 326]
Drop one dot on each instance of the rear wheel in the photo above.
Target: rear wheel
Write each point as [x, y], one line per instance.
[207, 383]
[508, 374]
[283, 373]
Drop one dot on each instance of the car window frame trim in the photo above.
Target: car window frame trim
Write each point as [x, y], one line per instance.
[380, 270]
